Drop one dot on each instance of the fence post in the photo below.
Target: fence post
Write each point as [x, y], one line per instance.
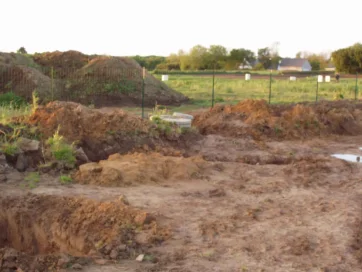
[316, 94]
[356, 89]
[143, 92]
[270, 86]
[213, 87]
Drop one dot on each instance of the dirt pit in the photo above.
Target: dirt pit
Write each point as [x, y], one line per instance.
[260, 120]
[50, 226]
[140, 168]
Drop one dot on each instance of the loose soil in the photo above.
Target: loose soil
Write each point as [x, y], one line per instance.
[140, 168]
[260, 120]
[234, 200]
[102, 134]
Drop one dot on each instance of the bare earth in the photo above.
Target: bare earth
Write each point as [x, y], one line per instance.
[249, 206]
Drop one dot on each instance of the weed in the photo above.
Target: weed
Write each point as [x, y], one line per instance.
[9, 148]
[60, 150]
[11, 100]
[32, 179]
[65, 179]
[35, 102]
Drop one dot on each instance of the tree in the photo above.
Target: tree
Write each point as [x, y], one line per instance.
[242, 56]
[217, 55]
[264, 57]
[198, 57]
[348, 59]
[21, 50]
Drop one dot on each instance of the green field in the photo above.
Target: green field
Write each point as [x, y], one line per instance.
[233, 90]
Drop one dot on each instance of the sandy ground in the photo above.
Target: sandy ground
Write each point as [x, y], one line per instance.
[256, 206]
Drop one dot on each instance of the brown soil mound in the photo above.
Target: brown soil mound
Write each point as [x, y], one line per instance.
[259, 119]
[139, 168]
[118, 80]
[80, 227]
[64, 63]
[24, 80]
[98, 133]
[102, 134]
[87, 79]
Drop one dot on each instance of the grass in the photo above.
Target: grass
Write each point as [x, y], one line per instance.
[232, 90]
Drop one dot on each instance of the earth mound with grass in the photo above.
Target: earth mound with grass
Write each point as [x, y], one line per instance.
[261, 120]
[87, 79]
[102, 134]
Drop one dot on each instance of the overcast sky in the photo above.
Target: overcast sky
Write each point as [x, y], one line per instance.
[161, 27]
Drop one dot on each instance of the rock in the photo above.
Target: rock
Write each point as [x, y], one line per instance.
[114, 254]
[81, 156]
[101, 261]
[140, 257]
[90, 168]
[107, 249]
[28, 145]
[77, 266]
[124, 199]
[122, 247]
[217, 193]
[144, 218]
[63, 261]
[21, 163]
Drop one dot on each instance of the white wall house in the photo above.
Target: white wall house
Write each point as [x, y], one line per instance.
[289, 64]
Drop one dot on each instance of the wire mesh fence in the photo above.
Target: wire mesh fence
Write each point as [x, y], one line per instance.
[109, 86]
[100, 86]
[208, 90]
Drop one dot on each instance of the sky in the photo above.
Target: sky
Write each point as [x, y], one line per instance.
[161, 27]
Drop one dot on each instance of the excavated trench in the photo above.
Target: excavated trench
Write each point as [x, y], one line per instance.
[39, 224]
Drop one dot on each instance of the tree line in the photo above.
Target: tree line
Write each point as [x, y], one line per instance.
[217, 56]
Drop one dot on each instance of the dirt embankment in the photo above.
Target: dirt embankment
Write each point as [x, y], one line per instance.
[53, 226]
[260, 120]
[103, 134]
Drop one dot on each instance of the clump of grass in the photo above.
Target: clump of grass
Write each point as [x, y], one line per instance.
[65, 179]
[62, 151]
[32, 179]
[12, 100]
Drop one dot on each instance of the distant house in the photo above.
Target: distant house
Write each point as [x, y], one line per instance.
[330, 67]
[289, 64]
[248, 65]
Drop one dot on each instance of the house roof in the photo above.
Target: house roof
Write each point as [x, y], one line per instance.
[287, 62]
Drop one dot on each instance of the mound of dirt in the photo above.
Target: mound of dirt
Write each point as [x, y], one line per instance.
[139, 168]
[101, 134]
[118, 80]
[24, 80]
[11, 59]
[52, 225]
[63, 63]
[261, 120]
[88, 79]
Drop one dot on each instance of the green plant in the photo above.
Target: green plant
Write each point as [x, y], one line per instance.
[9, 148]
[11, 100]
[33, 179]
[65, 179]
[60, 150]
